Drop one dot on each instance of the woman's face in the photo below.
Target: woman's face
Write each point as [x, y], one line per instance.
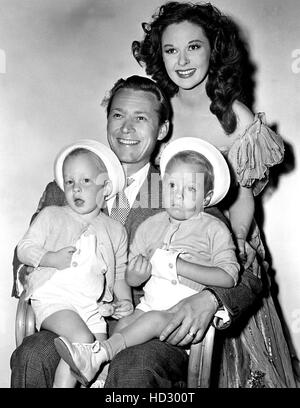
[186, 54]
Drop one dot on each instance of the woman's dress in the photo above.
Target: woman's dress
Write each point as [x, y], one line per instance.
[256, 354]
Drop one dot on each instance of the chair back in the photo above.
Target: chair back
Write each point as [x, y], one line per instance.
[200, 359]
[25, 320]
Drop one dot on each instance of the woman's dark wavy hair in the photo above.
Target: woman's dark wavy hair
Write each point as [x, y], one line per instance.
[225, 69]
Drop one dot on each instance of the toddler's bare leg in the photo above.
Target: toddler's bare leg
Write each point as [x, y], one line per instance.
[136, 329]
[145, 327]
[127, 320]
[69, 324]
[131, 330]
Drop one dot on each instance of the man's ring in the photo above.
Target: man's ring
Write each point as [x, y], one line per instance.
[190, 333]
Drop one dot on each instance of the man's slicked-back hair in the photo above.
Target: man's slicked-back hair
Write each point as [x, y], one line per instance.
[140, 83]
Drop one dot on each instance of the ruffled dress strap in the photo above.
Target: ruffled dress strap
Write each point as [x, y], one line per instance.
[254, 152]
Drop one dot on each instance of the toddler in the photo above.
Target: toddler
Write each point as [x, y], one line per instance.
[79, 253]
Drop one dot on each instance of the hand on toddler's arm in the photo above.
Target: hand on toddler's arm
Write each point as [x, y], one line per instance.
[139, 270]
[60, 259]
[191, 315]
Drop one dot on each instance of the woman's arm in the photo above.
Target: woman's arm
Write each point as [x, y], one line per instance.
[241, 212]
[241, 215]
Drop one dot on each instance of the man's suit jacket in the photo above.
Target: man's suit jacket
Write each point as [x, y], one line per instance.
[148, 202]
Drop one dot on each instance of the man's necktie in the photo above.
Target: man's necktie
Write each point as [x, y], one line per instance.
[121, 207]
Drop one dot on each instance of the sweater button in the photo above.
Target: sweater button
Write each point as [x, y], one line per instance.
[174, 282]
[74, 264]
[171, 265]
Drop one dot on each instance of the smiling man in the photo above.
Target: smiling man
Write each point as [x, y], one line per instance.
[137, 119]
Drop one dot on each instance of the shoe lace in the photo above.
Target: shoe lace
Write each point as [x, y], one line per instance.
[96, 346]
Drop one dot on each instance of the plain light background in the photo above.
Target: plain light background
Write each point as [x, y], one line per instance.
[57, 60]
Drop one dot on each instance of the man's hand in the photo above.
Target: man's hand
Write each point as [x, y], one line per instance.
[122, 308]
[192, 317]
[139, 270]
[60, 259]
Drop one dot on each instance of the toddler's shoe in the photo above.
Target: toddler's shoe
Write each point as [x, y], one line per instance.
[83, 358]
[98, 384]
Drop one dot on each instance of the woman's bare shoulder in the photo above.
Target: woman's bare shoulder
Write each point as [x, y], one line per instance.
[244, 116]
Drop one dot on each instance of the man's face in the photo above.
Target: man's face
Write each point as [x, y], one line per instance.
[133, 126]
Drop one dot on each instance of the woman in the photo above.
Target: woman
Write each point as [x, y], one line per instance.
[195, 55]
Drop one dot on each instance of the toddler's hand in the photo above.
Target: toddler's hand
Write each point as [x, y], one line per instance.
[122, 308]
[140, 268]
[63, 257]
[106, 309]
